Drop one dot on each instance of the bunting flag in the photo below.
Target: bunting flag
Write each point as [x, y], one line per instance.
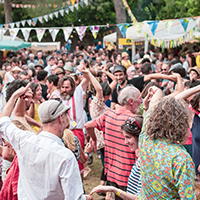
[94, 30]
[23, 22]
[46, 18]
[81, 31]
[26, 33]
[86, 2]
[29, 22]
[40, 32]
[184, 23]
[76, 6]
[13, 33]
[133, 19]
[53, 33]
[123, 28]
[34, 21]
[56, 14]
[71, 8]
[51, 16]
[138, 27]
[1, 34]
[12, 25]
[40, 19]
[73, 2]
[67, 32]
[17, 24]
[153, 25]
[168, 24]
[67, 11]
[62, 12]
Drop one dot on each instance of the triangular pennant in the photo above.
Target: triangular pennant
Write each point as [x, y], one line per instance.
[51, 16]
[34, 21]
[81, 4]
[53, 33]
[26, 33]
[71, 8]
[67, 32]
[81, 31]
[12, 25]
[67, 11]
[62, 12]
[1, 34]
[13, 33]
[153, 25]
[94, 30]
[40, 19]
[29, 22]
[123, 28]
[184, 23]
[46, 18]
[73, 2]
[138, 27]
[86, 2]
[17, 24]
[168, 24]
[76, 6]
[40, 32]
[56, 14]
[23, 22]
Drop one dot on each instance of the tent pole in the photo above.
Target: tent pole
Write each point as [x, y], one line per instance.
[146, 45]
[133, 51]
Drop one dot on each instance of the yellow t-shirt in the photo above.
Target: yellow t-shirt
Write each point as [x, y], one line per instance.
[126, 63]
[36, 118]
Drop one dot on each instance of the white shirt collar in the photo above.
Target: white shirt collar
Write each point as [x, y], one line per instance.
[51, 136]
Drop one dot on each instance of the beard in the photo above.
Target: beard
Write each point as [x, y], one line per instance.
[67, 96]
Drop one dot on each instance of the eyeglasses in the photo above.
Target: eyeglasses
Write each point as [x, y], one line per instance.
[79, 73]
[132, 123]
[60, 102]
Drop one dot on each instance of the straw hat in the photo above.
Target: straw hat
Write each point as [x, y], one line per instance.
[124, 54]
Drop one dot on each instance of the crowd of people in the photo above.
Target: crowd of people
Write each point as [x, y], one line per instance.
[141, 116]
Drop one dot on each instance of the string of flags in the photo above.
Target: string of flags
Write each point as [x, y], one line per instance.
[45, 18]
[67, 31]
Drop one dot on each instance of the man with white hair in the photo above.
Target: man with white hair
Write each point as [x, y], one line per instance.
[31, 59]
[119, 159]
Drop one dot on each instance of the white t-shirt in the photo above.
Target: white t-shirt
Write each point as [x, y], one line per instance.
[10, 77]
[78, 99]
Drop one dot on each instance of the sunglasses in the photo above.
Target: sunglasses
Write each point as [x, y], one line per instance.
[79, 73]
[132, 123]
[60, 102]
[163, 69]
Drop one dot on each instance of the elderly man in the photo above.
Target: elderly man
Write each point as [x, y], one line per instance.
[48, 170]
[119, 159]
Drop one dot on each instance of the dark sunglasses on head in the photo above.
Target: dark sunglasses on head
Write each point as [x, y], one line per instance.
[132, 123]
[60, 102]
[163, 69]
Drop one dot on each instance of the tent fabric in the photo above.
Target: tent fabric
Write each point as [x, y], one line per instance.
[13, 45]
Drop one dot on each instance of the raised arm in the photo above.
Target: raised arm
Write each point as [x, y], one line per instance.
[187, 93]
[158, 76]
[97, 86]
[86, 79]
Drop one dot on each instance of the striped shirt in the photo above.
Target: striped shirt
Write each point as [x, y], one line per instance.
[134, 181]
[119, 159]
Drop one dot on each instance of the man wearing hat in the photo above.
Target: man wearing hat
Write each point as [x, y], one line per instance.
[194, 73]
[125, 62]
[68, 69]
[121, 77]
[48, 170]
[50, 63]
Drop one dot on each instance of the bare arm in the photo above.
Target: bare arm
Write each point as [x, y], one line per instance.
[33, 122]
[31, 111]
[122, 194]
[97, 86]
[187, 93]
[158, 76]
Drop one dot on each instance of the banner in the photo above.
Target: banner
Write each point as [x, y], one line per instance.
[67, 32]
[123, 28]
[53, 33]
[94, 30]
[13, 33]
[133, 19]
[26, 33]
[81, 31]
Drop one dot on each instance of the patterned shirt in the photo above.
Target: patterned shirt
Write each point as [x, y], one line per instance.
[119, 159]
[167, 170]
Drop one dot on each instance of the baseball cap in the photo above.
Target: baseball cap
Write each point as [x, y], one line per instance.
[176, 66]
[39, 65]
[59, 70]
[51, 110]
[119, 68]
[49, 58]
[69, 68]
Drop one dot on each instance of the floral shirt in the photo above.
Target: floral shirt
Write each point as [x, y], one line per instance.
[167, 170]
[97, 108]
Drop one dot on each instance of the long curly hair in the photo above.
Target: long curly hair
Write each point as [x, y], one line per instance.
[169, 119]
